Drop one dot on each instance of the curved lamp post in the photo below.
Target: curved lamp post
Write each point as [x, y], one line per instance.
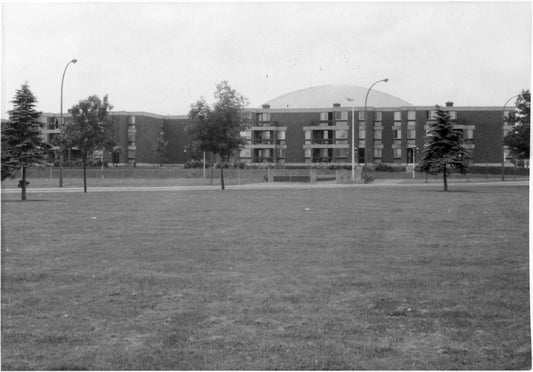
[62, 127]
[366, 137]
[503, 136]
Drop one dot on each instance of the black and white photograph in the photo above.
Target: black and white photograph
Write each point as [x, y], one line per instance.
[291, 185]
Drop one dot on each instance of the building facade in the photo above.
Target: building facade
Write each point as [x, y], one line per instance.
[313, 126]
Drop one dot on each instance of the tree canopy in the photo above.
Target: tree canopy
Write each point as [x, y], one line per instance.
[443, 149]
[90, 128]
[217, 128]
[518, 139]
[22, 144]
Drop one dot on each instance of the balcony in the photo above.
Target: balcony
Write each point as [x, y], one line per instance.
[322, 123]
[262, 160]
[322, 141]
[322, 159]
[266, 124]
[260, 141]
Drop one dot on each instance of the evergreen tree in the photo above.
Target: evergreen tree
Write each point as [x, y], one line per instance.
[443, 151]
[217, 129]
[90, 129]
[22, 144]
[160, 151]
[518, 139]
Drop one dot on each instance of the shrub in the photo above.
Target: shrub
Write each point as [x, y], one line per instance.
[195, 164]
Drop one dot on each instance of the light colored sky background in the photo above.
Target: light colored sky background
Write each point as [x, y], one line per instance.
[162, 57]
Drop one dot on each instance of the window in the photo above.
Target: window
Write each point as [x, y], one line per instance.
[397, 134]
[361, 115]
[307, 134]
[323, 116]
[341, 115]
[397, 115]
[411, 115]
[341, 134]
[411, 133]
[281, 136]
[131, 154]
[379, 116]
[377, 134]
[341, 153]
[378, 153]
[432, 114]
[281, 153]
[468, 134]
[362, 132]
[246, 153]
[453, 115]
[263, 116]
[307, 153]
[397, 153]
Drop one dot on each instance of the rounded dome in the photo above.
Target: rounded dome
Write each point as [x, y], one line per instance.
[326, 95]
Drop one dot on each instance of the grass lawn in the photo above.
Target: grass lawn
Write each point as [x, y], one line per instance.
[354, 278]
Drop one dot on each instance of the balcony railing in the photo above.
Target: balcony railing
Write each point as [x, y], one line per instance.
[322, 123]
[259, 141]
[322, 141]
[266, 124]
[262, 160]
[322, 159]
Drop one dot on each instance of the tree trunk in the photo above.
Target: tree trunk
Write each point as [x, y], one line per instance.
[23, 185]
[445, 178]
[222, 175]
[85, 172]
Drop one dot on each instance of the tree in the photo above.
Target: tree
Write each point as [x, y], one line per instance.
[217, 128]
[443, 151]
[90, 129]
[22, 144]
[518, 138]
[160, 151]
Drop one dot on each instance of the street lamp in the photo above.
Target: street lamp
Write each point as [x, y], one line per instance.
[503, 136]
[366, 137]
[415, 149]
[62, 127]
[352, 100]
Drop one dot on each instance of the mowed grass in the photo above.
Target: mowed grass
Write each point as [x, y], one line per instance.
[355, 278]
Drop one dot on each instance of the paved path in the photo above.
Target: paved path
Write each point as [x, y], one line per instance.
[262, 186]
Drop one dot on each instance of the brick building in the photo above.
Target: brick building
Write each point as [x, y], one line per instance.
[314, 125]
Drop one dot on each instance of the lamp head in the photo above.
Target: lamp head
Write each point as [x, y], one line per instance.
[385, 80]
[74, 61]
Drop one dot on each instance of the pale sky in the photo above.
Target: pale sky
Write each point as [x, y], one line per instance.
[161, 57]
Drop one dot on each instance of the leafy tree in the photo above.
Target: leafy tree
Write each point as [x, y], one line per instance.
[217, 128]
[518, 138]
[443, 151]
[90, 129]
[22, 144]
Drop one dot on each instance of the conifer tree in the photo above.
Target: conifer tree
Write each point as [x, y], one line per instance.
[22, 144]
[443, 151]
[518, 139]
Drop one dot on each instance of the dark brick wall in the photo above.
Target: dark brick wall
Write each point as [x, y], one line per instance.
[148, 132]
[295, 137]
[176, 137]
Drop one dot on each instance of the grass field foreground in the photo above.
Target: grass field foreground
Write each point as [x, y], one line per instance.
[355, 278]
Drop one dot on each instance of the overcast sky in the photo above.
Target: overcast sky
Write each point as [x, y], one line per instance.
[162, 57]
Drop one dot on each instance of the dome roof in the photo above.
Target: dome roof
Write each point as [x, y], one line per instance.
[326, 95]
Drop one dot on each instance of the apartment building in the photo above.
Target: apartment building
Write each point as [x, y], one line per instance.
[316, 125]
